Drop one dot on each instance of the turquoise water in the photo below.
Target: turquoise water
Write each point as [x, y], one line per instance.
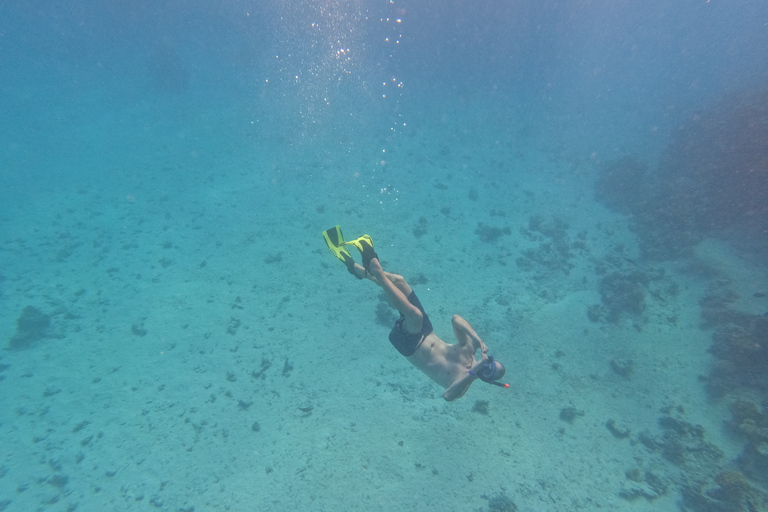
[178, 337]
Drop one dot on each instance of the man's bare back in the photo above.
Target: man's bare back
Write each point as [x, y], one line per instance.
[452, 366]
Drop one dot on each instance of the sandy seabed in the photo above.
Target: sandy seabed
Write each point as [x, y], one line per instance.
[206, 351]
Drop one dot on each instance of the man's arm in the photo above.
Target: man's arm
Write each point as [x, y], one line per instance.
[458, 388]
[466, 335]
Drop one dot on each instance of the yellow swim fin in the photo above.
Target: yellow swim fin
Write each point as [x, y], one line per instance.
[364, 244]
[335, 241]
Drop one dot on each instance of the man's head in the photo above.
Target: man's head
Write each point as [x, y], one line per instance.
[491, 371]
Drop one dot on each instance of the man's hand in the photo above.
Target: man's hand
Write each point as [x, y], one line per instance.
[479, 365]
[478, 344]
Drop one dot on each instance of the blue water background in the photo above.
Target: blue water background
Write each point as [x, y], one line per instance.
[77, 79]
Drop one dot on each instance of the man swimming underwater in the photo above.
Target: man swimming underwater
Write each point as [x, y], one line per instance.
[452, 366]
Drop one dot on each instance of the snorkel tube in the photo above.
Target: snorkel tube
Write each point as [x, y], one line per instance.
[488, 373]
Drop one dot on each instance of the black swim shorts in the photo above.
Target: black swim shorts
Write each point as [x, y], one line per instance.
[407, 342]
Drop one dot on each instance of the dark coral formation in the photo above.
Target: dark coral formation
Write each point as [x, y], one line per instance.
[481, 407]
[711, 181]
[551, 259]
[554, 250]
[623, 293]
[750, 422]
[490, 234]
[663, 227]
[31, 326]
[739, 344]
[685, 446]
[501, 503]
[619, 431]
[622, 367]
[717, 166]
[647, 485]
[741, 356]
[730, 492]
[384, 314]
[735, 490]
[421, 228]
[706, 481]
[570, 413]
[741, 363]
[683, 442]
[715, 306]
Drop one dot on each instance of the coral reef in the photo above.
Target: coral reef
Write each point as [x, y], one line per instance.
[622, 293]
[736, 490]
[619, 431]
[384, 314]
[31, 326]
[646, 485]
[732, 492]
[570, 413]
[663, 228]
[710, 181]
[421, 228]
[622, 367]
[490, 234]
[740, 350]
[707, 482]
[481, 407]
[717, 166]
[501, 503]
[554, 250]
[749, 422]
[550, 261]
[682, 443]
[715, 306]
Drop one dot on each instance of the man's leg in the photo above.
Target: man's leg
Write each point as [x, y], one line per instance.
[396, 279]
[397, 290]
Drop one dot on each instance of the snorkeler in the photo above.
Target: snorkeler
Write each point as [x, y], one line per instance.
[453, 366]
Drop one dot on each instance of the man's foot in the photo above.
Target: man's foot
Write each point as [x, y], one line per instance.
[365, 245]
[335, 241]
